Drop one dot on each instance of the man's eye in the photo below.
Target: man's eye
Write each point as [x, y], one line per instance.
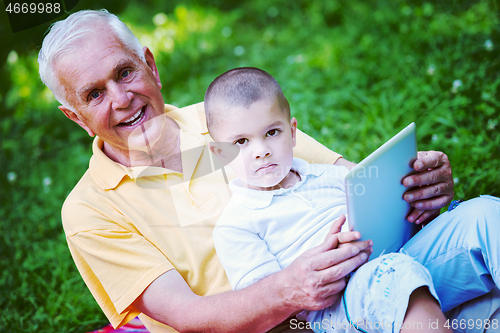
[240, 142]
[95, 95]
[273, 132]
[125, 73]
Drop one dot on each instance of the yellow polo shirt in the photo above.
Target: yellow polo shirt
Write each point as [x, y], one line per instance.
[125, 226]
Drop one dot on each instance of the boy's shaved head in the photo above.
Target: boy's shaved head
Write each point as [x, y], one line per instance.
[241, 87]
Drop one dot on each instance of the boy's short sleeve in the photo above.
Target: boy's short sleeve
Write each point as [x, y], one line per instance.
[312, 151]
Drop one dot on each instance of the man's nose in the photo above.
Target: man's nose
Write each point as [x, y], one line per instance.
[120, 97]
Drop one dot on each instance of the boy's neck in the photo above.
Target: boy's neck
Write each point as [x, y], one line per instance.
[290, 180]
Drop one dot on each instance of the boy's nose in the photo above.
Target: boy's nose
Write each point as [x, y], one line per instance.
[263, 152]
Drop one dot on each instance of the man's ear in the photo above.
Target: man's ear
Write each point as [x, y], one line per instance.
[74, 117]
[150, 60]
[293, 126]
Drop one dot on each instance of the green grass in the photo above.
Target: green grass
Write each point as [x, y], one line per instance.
[355, 73]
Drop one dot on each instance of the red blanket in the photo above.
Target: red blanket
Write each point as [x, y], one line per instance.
[135, 325]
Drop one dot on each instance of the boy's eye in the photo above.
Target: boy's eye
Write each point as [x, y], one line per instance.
[273, 132]
[240, 141]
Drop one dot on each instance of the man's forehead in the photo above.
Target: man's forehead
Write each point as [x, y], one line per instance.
[93, 49]
[95, 60]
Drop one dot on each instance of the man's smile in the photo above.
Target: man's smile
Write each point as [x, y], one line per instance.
[135, 119]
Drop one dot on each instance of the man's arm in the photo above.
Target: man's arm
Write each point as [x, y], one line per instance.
[343, 162]
[431, 188]
[313, 281]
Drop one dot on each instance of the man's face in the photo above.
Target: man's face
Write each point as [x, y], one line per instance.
[265, 138]
[111, 90]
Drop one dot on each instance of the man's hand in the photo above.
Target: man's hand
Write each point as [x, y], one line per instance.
[316, 278]
[435, 186]
[313, 282]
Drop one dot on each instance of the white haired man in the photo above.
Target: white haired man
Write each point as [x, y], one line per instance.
[139, 223]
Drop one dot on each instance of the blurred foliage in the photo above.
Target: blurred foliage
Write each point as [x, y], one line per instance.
[355, 73]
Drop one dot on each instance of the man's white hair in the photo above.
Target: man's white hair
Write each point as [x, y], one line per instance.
[65, 36]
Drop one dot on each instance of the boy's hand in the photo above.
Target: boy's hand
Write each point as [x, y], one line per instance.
[316, 278]
[337, 225]
[349, 237]
[343, 237]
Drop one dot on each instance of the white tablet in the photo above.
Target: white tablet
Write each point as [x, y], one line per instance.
[374, 189]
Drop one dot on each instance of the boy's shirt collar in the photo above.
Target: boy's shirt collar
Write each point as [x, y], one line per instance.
[255, 199]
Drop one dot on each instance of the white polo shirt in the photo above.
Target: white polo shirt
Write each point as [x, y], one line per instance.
[262, 232]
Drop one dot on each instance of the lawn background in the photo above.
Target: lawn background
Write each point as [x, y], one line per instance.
[355, 73]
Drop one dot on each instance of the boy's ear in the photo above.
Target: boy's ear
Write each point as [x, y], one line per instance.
[293, 127]
[216, 149]
[225, 151]
[74, 117]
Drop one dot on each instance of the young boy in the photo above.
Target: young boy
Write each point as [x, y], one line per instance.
[281, 207]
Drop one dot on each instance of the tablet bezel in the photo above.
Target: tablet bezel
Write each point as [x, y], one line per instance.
[375, 202]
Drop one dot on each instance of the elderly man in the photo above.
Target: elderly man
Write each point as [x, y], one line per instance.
[139, 223]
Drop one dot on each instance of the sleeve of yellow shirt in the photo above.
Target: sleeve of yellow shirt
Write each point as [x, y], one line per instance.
[116, 262]
[312, 151]
[104, 256]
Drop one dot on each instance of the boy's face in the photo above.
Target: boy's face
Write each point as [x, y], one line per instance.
[265, 138]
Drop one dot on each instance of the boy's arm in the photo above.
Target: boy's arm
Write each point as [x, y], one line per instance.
[243, 254]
